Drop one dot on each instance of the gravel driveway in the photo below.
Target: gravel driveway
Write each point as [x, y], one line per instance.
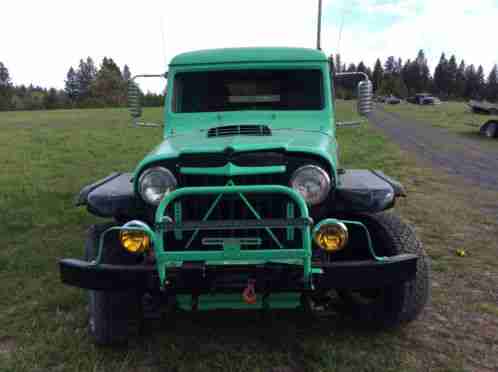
[457, 155]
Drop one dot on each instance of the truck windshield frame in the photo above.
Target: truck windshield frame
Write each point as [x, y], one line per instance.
[261, 89]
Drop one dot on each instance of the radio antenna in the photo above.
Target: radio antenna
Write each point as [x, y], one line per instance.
[319, 27]
[163, 38]
[341, 27]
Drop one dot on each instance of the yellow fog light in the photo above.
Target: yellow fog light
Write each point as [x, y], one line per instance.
[134, 241]
[331, 235]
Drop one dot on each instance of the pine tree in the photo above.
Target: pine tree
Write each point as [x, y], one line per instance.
[5, 88]
[492, 85]
[411, 74]
[471, 85]
[399, 66]
[72, 85]
[392, 82]
[50, 100]
[109, 86]
[4, 76]
[460, 80]
[86, 75]
[481, 84]
[378, 75]
[338, 65]
[390, 66]
[441, 77]
[424, 78]
[452, 76]
[361, 67]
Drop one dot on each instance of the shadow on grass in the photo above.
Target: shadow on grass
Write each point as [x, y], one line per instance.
[287, 340]
[477, 136]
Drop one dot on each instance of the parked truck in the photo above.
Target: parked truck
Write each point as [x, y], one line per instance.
[244, 204]
[490, 127]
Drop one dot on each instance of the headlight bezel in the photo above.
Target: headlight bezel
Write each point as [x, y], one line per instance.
[323, 173]
[164, 172]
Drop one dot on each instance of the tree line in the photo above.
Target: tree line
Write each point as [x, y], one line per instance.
[85, 87]
[90, 87]
[450, 81]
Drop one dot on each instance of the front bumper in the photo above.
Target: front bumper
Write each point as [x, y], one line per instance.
[231, 266]
[200, 278]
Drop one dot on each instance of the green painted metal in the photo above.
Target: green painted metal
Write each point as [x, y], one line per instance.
[232, 189]
[256, 214]
[177, 210]
[294, 132]
[300, 141]
[308, 132]
[231, 170]
[230, 254]
[248, 55]
[290, 214]
[234, 301]
[227, 242]
[369, 239]
[357, 223]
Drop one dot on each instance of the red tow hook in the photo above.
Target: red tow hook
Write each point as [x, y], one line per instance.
[249, 293]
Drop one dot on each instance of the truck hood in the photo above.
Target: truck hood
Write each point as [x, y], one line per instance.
[289, 140]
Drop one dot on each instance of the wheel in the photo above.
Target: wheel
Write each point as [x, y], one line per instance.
[112, 315]
[399, 303]
[491, 129]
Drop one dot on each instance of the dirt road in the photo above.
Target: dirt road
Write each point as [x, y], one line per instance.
[457, 155]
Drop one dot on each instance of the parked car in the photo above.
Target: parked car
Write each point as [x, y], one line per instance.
[392, 100]
[483, 107]
[424, 99]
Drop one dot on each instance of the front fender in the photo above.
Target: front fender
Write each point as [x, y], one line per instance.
[365, 191]
[112, 196]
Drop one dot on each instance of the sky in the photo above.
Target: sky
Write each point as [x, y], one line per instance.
[40, 40]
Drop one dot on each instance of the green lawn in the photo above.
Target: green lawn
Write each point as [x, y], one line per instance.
[46, 157]
[452, 116]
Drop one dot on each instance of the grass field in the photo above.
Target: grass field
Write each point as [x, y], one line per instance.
[46, 157]
[452, 116]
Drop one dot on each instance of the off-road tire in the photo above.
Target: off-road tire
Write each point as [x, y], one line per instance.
[491, 130]
[112, 314]
[401, 302]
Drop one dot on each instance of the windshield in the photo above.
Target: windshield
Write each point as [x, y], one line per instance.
[239, 90]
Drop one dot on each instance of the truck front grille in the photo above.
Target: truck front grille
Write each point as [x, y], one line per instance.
[232, 207]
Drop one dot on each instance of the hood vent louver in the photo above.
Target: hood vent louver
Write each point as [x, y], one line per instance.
[239, 130]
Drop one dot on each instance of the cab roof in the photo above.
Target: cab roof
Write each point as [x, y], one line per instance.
[248, 55]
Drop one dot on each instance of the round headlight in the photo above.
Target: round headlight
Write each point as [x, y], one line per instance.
[312, 182]
[134, 241]
[331, 235]
[155, 183]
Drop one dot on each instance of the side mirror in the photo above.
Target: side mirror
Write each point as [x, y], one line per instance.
[134, 105]
[365, 97]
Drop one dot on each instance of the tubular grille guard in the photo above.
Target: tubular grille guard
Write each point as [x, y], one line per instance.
[237, 224]
[231, 251]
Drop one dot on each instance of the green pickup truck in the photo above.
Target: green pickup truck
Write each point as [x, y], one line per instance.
[244, 205]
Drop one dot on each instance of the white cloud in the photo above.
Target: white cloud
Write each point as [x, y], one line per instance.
[454, 27]
[402, 8]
